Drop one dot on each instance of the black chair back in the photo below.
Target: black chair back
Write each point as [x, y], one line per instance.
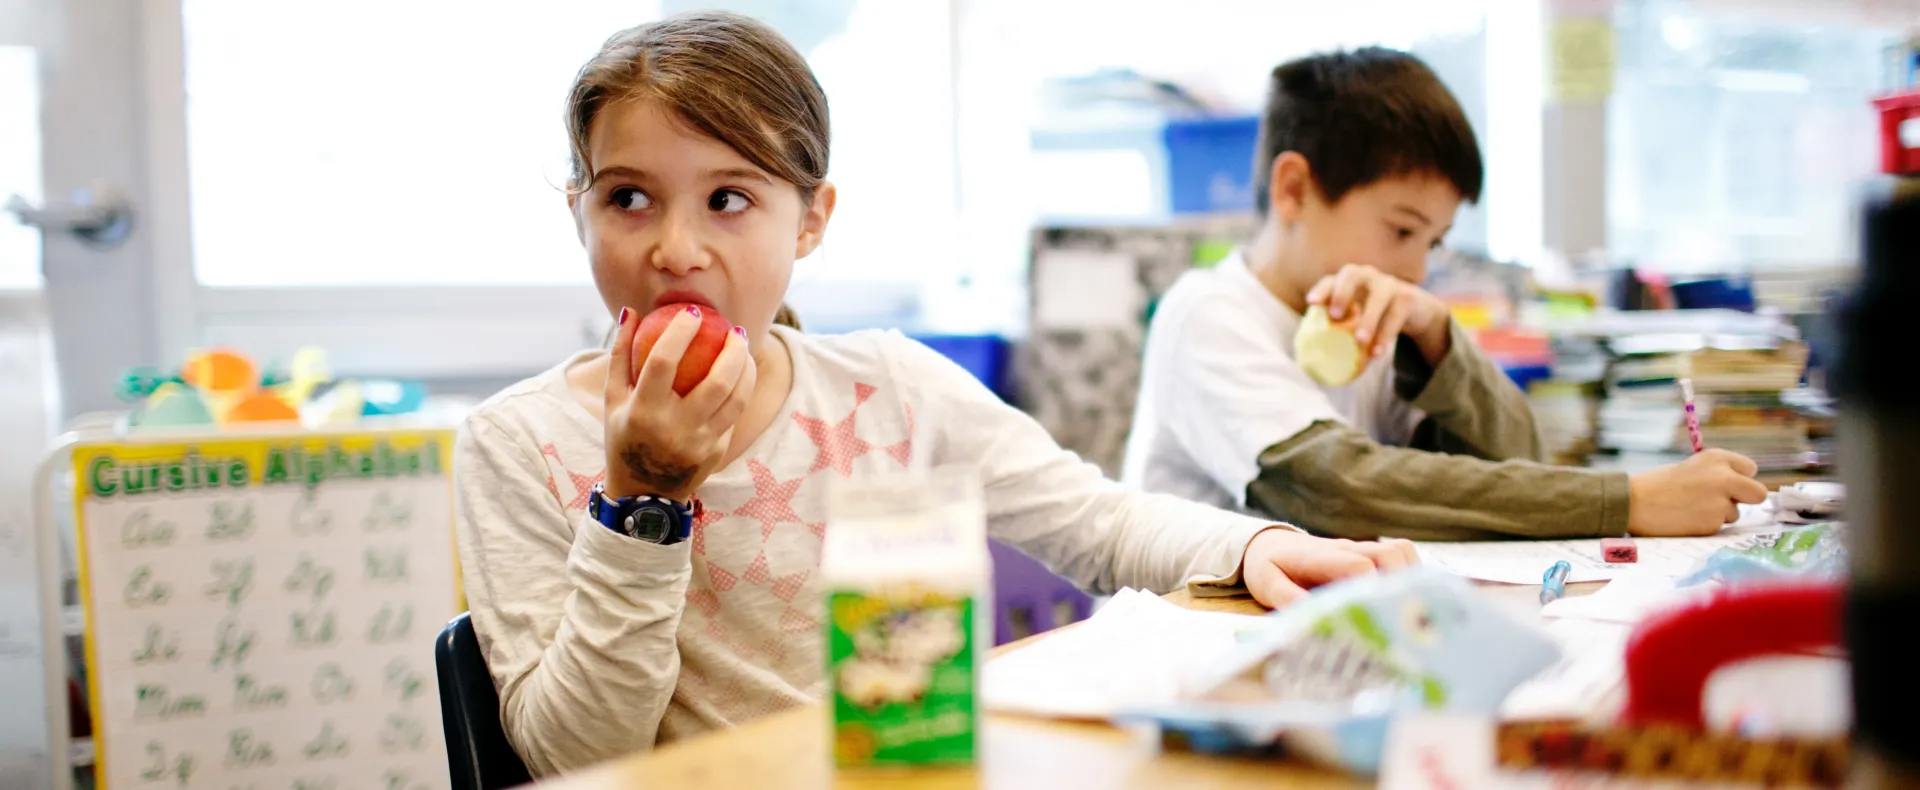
[478, 755]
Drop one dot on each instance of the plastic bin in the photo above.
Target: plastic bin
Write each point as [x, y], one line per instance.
[1144, 171]
[1210, 164]
[985, 356]
[1899, 133]
[1734, 293]
[1523, 375]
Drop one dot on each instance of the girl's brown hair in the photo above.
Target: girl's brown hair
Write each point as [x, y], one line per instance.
[731, 77]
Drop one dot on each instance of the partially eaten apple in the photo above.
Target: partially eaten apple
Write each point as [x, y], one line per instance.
[698, 360]
[1327, 350]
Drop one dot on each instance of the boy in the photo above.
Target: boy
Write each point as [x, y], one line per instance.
[1363, 159]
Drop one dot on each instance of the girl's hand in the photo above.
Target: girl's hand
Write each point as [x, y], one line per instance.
[1281, 565]
[1383, 307]
[659, 443]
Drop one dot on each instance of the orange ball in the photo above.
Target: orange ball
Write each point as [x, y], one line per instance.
[262, 406]
[219, 370]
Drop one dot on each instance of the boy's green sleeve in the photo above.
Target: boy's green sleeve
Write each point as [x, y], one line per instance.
[1334, 480]
[1472, 403]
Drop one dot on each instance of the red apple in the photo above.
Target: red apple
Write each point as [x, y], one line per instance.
[706, 345]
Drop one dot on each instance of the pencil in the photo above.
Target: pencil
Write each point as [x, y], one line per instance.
[1693, 419]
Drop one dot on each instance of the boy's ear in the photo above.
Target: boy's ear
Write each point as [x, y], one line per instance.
[1287, 185]
[813, 223]
[579, 222]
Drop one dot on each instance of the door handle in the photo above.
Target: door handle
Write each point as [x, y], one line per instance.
[99, 216]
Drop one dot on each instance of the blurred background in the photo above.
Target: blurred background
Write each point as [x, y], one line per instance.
[378, 178]
[1018, 179]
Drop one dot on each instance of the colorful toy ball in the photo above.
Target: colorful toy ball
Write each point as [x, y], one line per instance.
[219, 370]
[260, 406]
[171, 406]
[223, 376]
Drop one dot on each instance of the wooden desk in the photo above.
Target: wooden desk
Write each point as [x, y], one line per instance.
[789, 750]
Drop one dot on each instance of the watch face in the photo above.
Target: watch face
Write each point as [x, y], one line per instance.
[650, 525]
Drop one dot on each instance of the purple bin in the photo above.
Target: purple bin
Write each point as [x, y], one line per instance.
[1028, 598]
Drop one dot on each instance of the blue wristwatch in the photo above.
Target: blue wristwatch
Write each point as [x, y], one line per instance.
[650, 519]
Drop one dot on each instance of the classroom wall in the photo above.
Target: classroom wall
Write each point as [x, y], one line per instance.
[26, 419]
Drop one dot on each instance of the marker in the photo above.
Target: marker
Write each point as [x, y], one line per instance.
[1553, 583]
[1693, 419]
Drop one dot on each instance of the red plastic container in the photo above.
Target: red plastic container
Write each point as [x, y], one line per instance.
[1671, 653]
[1900, 133]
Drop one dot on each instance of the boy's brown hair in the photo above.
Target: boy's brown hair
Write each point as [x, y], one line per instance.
[1362, 116]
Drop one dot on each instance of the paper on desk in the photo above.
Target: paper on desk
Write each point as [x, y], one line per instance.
[1429, 750]
[1766, 513]
[1628, 599]
[1807, 502]
[1133, 652]
[1524, 561]
[1592, 631]
[1592, 665]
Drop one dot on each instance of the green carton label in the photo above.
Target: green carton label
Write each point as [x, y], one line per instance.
[901, 665]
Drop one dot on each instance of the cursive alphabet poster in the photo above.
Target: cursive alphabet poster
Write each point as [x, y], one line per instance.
[261, 611]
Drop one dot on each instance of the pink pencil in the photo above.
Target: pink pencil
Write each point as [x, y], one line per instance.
[1693, 420]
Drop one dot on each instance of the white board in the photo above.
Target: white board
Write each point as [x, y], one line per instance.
[261, 611]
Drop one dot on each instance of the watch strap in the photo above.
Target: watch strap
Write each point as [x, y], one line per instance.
[613, 513]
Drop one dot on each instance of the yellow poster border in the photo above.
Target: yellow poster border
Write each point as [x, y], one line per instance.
[254, 449]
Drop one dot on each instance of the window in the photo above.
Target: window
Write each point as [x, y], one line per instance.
[888, 78]
[417, 146]
[1222, 50]
[385, 143]
[383, 179]
[421, 142]
[1739, 140]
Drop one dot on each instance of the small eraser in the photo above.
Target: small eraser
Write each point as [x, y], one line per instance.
[1618, 550]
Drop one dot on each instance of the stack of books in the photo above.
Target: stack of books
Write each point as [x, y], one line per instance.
[1614, 390]
[1566, 403]
[1738, 397]
[1642, 414]
[1643, 411]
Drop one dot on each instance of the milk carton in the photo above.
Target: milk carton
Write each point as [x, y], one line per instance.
[906, 572]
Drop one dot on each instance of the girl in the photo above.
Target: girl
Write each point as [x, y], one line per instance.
[640, 564]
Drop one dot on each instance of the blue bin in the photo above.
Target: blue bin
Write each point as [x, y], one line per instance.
[1724, 292]
[1210, 164]
[985, 356]
[1200, 165]
[1522, 375]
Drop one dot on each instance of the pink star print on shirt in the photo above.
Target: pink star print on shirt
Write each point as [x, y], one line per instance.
[780, 492]
[838, 445]
[582, 484]
[601, 645]
[772, 502]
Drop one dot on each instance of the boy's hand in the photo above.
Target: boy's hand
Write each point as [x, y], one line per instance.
[1281, 564]
[1694, 497]
[1384, 307]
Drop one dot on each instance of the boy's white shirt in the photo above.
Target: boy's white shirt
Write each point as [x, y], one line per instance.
[1219, 385]
[602, 645]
